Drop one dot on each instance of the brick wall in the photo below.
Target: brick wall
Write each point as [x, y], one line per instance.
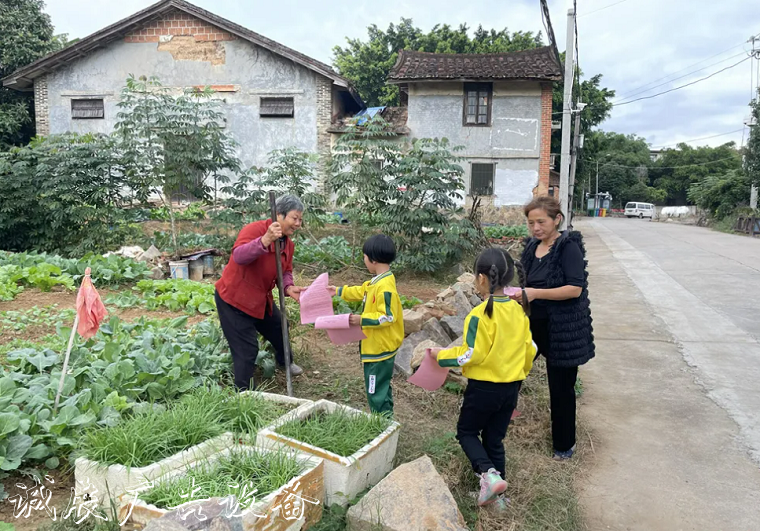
[41, 106]
[178, 23]
[324, 120]
[546, 140]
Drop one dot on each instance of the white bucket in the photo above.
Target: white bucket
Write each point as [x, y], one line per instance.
[179, 269]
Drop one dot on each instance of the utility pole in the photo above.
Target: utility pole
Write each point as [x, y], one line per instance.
[564, 174]
[574, 163]
[753, 190]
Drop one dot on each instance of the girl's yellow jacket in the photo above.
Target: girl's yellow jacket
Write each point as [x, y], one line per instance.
[495, 349]
[382, 316]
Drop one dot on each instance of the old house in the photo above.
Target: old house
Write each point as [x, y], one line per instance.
[275, 97]
[498, 106]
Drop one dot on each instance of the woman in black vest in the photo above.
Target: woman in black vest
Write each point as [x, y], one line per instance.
[560, 318]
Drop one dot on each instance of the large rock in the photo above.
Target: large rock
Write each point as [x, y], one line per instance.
[157, 273]
[466, 278]
[403, 360]
[467, 289]
[413, 321]
[453, 325]
[421, 350]
[413, 497]
[475, 300]
[436, 332]
[462, 304]
[445, 294]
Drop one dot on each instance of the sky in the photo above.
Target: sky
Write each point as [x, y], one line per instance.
[635, 44]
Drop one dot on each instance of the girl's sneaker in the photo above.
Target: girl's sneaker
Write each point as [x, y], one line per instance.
[564, 456]
[491, 485]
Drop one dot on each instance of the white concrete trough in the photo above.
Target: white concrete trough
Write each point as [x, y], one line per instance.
[345, 477]
[306, 490]
[111, 482]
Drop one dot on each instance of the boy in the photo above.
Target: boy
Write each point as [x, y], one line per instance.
[381, 320]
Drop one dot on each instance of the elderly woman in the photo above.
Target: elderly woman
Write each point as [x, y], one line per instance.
[560, 318]
[244, 293]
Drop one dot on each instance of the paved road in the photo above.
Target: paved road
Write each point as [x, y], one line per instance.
[673, 397]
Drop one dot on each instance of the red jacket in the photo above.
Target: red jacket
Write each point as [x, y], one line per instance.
[249, 287]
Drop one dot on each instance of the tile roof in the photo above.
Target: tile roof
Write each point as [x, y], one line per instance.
[538, 64]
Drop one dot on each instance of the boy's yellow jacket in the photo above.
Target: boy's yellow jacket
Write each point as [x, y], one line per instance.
[496, 349]
[382, 316]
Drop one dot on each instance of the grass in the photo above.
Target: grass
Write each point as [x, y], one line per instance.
[340, 432]
[148, 437]
[262, 473]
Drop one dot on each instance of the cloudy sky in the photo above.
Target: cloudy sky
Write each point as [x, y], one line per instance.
[639, 46]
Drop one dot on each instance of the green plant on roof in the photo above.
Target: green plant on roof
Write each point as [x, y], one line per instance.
[340, 432]
[246, 467]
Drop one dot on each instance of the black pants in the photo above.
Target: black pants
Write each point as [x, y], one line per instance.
[242, 333]
[561, 390]
[486, 411]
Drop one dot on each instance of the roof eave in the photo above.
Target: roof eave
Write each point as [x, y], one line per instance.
[470, 79]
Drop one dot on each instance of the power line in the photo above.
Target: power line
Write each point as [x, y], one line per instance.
[630, 94]
[659, 167]
[703, 138]
[682, 86]
[602, 8]
[684, 68]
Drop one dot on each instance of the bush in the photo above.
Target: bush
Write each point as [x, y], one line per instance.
[721, 194]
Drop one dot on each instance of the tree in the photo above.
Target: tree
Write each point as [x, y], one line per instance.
[752, 151]
[422, 211]
[624, 164]
[292, 171]
[721, 194]
[27, 35]
[172, 143]
[678, 169]
[62, 194]
[367, 64]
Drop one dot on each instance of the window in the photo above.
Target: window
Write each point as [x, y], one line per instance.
[481, 180]
[87, 109]
[276, 107]
[477, 104]
[551, 191]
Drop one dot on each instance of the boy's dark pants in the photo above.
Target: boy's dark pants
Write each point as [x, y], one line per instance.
[377, 383]
[486, 411]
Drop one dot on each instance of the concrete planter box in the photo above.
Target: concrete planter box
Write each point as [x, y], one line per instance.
[310, 483]
[115, 480]
[345, 477]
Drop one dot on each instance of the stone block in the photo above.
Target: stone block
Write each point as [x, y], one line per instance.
[413, 321]
[436, 332]
[421, 350]
[466, 278]
[403, 360]
[453, 325]
[412, 497]
[462, 304]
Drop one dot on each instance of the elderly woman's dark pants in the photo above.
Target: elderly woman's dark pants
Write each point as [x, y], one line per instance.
[561, 390]
[242, 333]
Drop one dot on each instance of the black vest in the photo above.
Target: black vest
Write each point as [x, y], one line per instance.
[571, 336]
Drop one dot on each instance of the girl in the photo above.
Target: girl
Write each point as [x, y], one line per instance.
[560, 320]
[496, 356]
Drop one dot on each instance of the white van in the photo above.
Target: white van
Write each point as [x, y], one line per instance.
[639, 210]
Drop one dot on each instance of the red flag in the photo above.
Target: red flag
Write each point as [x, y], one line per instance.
[90, 309]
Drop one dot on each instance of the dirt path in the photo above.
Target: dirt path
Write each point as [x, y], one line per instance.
[667, 457]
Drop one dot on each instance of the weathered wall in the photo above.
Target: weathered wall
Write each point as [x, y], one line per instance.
[196, 55]
[513, 141]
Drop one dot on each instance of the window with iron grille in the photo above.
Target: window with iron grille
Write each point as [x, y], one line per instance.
[477, 103]
[481, 179]
[276, 107]
[87, 109]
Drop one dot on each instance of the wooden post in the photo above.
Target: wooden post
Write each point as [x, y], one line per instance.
[284, 315]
